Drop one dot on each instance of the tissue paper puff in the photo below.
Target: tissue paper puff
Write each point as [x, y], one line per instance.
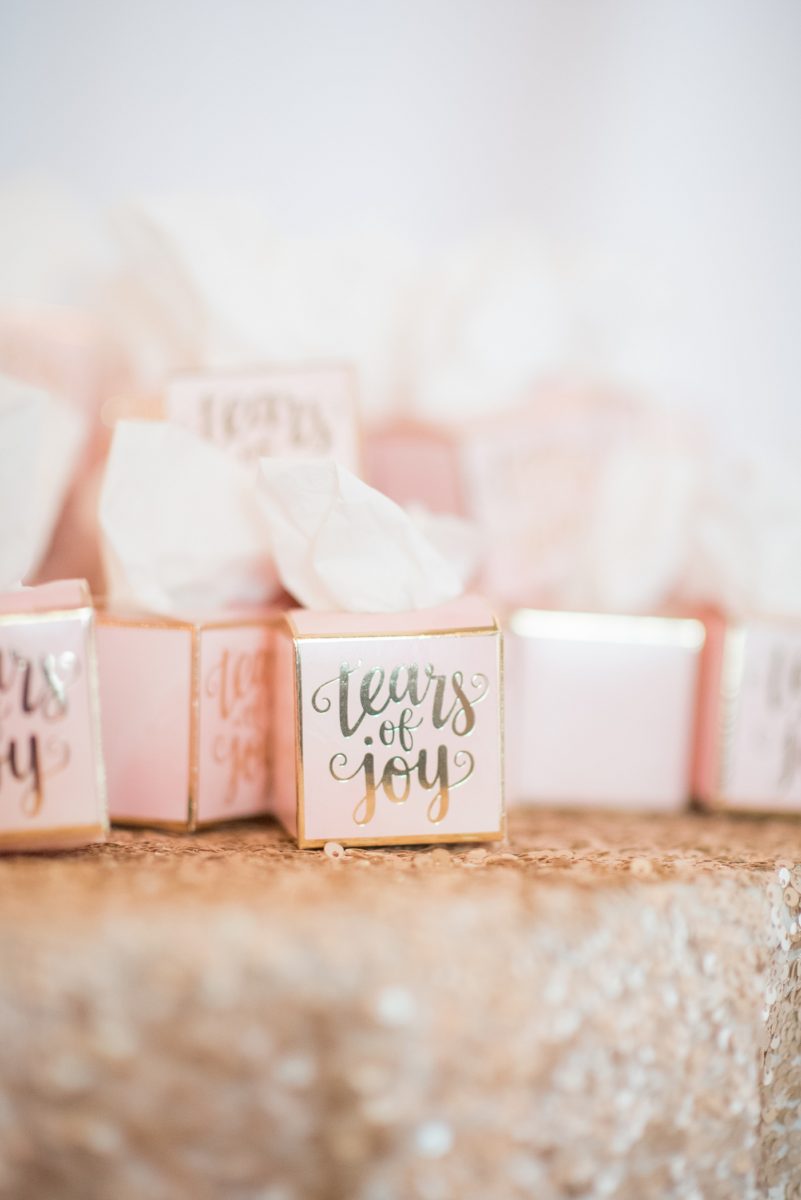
[748, 753]
[600, 709]
[302, 411]
[340, 545]
[388, 727]
[183, 530]
[209, 284]
[72, 357]
[51, 773]
[185, 713]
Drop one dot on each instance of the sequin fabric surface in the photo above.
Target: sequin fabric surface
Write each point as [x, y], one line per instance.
[604, 1006]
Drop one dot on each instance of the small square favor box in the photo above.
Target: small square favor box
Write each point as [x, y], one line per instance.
[748, 754]
[52, 791]
[388, 727]
[186, 717]
[303, 411]
[600, 709]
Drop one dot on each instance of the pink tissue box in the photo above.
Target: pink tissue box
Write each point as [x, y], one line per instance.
[388, 727]
[52, 793]
[600, 709]
[749, 732]
[525, 478]
[185, 714]
[281, 411]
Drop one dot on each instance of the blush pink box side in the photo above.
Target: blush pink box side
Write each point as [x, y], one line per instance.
[417, 464]
[749, 753]
[425, 768]
[307, 410]
[186, 718]
[146, 701]
[601, 709]
[52, 788]
[234, 752]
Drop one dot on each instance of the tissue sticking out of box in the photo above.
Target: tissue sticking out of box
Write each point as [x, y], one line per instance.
[340, 545]
[183, 530]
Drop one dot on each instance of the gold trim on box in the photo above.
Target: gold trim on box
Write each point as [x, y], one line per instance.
[194, 728]
[502, 725]
[479, 631]
[53, 833]
[183, 827]
[459, 631]
[141, 621]
[195, 629]
[154, 823]
[253, 622]
[94, 718]
[686, 632]
[300, 791]
[50, 614]
[423, 839]
[148, 621]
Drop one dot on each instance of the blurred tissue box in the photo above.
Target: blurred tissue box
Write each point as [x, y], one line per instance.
[52, 794]
[388, 684]
[748, 754]
[526, 478]
[600, 709]
[185, 641]
[186, 717]
[305, 410]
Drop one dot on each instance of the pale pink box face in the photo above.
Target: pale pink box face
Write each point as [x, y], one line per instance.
[186, 719]
[52, 792]
[395, 736]
[235, 703]
[282, 412]
[600, 709]
[751, 758]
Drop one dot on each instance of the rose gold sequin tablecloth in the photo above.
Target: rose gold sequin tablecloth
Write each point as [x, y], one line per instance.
[604, 1007]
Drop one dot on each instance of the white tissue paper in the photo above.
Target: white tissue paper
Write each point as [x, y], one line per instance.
[41, 438]
[208, 283]
[182, 528]
[486, 321]
[339, 545]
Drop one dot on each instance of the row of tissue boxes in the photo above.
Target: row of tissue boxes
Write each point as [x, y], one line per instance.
[365, 729]
[645, 712]
[381, 729]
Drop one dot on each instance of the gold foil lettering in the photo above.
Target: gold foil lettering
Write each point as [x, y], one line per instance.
[365, 694]
[34, 690]
[239, 682]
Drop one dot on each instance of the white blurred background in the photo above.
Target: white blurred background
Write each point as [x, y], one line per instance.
[650, 152]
